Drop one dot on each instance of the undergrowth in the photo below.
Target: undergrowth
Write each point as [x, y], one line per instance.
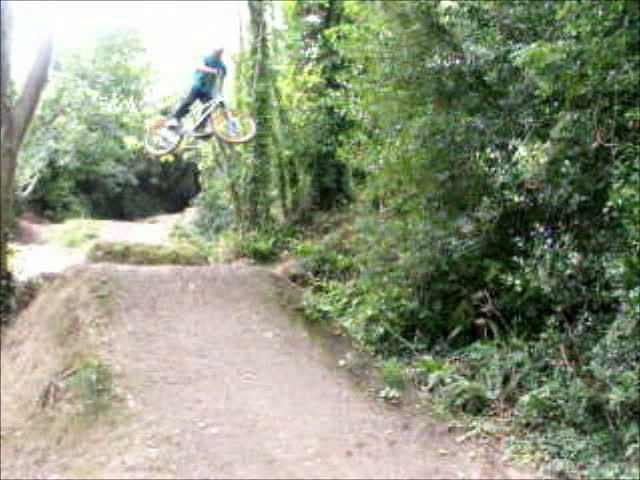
[564, 396]
[92, 384]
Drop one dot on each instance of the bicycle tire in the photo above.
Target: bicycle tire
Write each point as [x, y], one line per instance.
[153, 131]
[218, 123]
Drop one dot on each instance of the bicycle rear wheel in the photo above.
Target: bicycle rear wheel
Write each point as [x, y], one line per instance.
[160, 140]
[234, 127]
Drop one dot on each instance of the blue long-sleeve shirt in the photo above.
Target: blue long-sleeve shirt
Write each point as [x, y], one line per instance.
[204, 81]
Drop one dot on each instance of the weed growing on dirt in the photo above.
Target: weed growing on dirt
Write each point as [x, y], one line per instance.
[91, 382]
[393, 373]
[185, 234]
[261, 246]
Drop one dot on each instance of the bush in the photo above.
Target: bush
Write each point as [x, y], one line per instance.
[266, 244]
[258, 246]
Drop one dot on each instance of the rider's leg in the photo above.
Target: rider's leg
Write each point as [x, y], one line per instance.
[204, 97]
[185, 105]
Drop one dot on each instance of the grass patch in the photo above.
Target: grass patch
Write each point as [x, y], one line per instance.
[91, 383]
[393, 374]
[261, 248]
[75, 233]
[141, 254]
[224, 247]
[229, 246]
[185, 234]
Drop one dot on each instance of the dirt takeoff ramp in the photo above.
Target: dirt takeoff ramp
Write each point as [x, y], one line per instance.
[210, 378]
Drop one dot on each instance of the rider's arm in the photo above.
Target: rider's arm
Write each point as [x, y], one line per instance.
[205, 69]
[222, 76]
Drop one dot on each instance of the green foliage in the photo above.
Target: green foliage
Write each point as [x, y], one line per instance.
[497, 149]
[267, 244]
[469, 397]
[214, 212]
[258, 246]
[393, 373]
[428, 364]
[259, 182]
[319, 119]
[187, 234]
[92, 383]
[329, 259]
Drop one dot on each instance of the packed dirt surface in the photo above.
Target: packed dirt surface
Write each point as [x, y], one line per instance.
[217, 379]
[154, 231]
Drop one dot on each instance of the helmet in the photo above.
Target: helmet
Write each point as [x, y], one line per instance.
[218, 49]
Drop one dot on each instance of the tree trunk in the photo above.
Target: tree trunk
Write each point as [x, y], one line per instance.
[14, 121]
[329, 175]
[260, 179]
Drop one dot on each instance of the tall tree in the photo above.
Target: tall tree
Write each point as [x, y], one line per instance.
[320, 67]
[260, 179]
[329, 174]
[15, 117]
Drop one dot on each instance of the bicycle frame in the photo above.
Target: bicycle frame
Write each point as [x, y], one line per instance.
[225, 125]
[216, 102]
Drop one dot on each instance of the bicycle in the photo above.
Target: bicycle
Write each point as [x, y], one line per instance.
[228, 125]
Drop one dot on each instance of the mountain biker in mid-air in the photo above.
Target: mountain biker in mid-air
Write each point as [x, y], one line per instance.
[204, 84]
[164, 135]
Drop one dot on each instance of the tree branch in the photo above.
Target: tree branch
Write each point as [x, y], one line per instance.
[33, 87]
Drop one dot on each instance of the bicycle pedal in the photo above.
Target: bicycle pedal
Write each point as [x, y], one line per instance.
[202, 136]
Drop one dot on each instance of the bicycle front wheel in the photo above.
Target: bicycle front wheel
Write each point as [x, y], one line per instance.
[160, 140]
[233, 127]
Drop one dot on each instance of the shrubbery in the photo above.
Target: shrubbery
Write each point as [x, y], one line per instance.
[498, 225]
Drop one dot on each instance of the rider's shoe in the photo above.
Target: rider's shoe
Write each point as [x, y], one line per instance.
[174, 124]
[201, 133]
[169, 136]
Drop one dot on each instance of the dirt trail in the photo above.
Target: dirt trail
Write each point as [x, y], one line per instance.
[223, 384]
[154, 231]
[38, 254]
